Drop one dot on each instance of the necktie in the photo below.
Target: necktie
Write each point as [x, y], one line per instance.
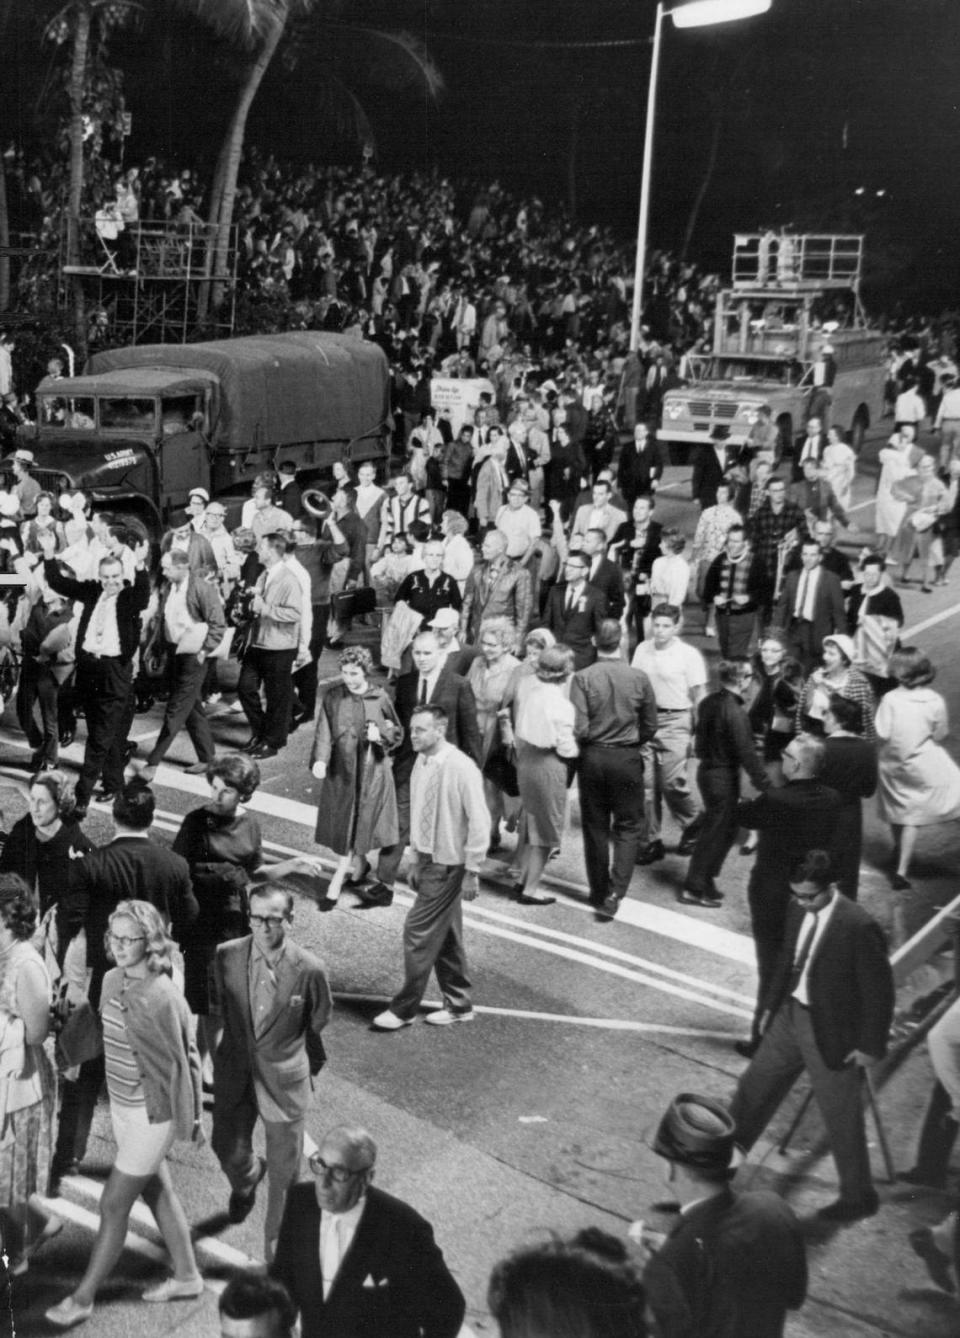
[330, 1265]
[569, 602]
[799, 965]
[801, 603]
[422, 699]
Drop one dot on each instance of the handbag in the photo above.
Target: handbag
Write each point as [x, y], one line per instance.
[80, 1037]
[353, 603]
[500, 769]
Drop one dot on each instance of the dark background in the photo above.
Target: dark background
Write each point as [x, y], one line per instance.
[800, 107]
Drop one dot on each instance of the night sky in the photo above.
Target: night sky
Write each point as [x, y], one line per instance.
[814, 101]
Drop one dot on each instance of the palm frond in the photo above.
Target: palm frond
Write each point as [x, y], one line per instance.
[243, 22]
[396, 60]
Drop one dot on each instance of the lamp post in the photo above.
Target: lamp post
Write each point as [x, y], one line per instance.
[694, 14]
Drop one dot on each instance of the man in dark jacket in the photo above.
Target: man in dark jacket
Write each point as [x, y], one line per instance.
[798, 817]
[360, 1263]
[828, 1011]
[735, 1263]
[575, 611]
[640, 467]
[724, 746]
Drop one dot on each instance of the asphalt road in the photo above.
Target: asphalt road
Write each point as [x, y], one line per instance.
[537, 1115]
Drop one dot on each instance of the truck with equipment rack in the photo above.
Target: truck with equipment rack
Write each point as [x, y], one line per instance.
[145, 425]
[790, 332]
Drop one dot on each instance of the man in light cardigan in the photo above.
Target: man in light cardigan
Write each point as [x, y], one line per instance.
[449, 832]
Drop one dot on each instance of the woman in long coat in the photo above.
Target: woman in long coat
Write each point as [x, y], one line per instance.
[357, 730]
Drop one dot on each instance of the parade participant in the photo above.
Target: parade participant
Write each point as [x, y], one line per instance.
[733, 591]
[277, 607]
[449, 829]
[810, 606]
[496, 588]
[826, 1010]
[837, 674]
[276, 1002]
[575, 610]
[615, 715]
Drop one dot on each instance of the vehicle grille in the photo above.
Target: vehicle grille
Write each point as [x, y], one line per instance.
[49, 480]
[704, 408]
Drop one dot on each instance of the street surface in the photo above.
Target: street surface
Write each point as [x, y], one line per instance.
[537, 1116]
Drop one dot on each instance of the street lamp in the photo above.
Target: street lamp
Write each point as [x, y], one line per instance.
[694, 14]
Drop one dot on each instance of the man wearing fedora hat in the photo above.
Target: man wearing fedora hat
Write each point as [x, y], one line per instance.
[735, 1263]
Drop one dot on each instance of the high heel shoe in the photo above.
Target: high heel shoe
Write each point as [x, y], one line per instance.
[68, 1313]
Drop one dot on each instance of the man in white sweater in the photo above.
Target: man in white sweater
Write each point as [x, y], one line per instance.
[449, 832]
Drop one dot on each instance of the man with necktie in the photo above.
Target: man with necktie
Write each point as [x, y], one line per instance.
[357, 1262]
[812, 447]
[449, 832]
[828, 1011]
[811, 606]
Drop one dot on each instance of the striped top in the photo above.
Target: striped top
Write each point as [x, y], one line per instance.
[124, 1086]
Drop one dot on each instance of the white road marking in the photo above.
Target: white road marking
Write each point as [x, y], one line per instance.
[607, 1023]
[931, 621]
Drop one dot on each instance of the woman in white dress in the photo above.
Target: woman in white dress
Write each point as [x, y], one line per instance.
[919, 781]
[840, 463]
[896, 464]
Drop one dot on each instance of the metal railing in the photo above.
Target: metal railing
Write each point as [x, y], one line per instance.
[797, 260]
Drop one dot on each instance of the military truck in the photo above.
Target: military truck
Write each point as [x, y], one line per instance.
[791, 333]
[144, 425]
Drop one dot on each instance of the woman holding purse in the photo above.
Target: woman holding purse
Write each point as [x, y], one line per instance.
[153, 1082]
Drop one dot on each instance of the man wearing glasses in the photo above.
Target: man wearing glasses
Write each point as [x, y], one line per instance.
[276, 1002]
[575, 610]
[357, 1260]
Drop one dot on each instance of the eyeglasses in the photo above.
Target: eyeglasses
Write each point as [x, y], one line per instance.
[122, 941]
[274, 921]
[340, 1175]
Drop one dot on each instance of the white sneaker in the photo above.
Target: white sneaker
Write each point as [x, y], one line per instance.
[387, 1021]
[443, 1017]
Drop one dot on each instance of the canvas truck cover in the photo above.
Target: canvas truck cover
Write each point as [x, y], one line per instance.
[276, 390]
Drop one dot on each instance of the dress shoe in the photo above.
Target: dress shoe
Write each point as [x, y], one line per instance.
[378, 894]
[68, 1313]
[67, 737]
[104, 796]
[608, 908]
[198, 768]
[899, 883]
[388, 1021]
[688, 840]
[241, 1205]
[299, 718]
[707, 900]
[131, 751]
[171, 1289]
[845, 1210]
[651, 853]
[446, 1017]
[254, 741]
[938, 1264]
[916, 1176]
[326, 904]
[531, 899]
[746, 1048]
[262, 752]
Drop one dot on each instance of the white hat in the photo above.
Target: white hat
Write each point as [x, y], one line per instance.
[200, 492]
[25, 457]
[446, 618]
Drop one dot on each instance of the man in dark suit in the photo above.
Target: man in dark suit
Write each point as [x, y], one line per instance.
[289, 496]
[828, 1010]
[710, 467]
[811, 606]
[811, 448]
[431, 683]
[706, 1275]
[575, 611]
[276, 1003]
[107, 639]
[360, 1263]
[641, 463]
[603, 574]
[797, 817]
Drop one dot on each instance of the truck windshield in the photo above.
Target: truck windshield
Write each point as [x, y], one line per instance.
[136, 415]
[76, 412]
[753, 369]
[178, 412]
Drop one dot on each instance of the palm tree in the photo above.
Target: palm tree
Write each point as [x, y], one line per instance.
[257, 27]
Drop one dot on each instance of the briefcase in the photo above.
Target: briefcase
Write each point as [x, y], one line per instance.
[354, 603]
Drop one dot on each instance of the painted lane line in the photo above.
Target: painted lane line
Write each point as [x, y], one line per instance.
[931, 621]
[608, 1023]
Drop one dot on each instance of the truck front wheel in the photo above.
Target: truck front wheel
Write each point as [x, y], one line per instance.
[785, 429]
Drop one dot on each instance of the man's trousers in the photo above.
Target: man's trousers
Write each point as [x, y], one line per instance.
[433, 940]
[186, 678]
[611, 809]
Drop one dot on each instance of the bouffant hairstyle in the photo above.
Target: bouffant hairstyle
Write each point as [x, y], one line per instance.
[149, 920]
[359, 656]
[502, 628]
[556, 664]
[240, 773]
[60, 788]
[911, 668]
[18, 906]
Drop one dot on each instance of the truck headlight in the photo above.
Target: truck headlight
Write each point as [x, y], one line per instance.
[674, 409]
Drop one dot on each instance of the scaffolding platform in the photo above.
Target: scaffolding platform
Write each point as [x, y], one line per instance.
[147, 284]
[795, 262]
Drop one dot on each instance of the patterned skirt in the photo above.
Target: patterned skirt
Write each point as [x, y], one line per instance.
[26, 1141]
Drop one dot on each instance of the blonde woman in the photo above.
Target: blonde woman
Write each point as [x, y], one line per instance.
[153, 1082]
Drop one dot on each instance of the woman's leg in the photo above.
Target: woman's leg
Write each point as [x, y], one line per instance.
[535, 861]
[342, 870]
[908, 839]
[161, 1199]
[120, 1194]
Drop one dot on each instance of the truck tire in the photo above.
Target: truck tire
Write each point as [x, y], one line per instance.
[679, 452]
[785, 429]
[858, 429]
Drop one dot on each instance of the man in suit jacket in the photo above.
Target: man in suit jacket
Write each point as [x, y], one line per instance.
[811, 448]
[640, 468]
[431, 683]
[490, 490]
[814, 495]
[108, 636]
[704, 1278]
[710, 467]
[575, 611]
[811, 606]
[189, 604]
[357, 1262]
[603, 574]
[276, 1003]
[600, 513]
[828, 1010]
[496, 588]
[798, 816]
[268, 664]
[289, 496]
